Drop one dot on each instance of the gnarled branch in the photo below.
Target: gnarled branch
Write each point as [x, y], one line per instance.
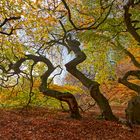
[66, 97]
[130, 85]
[7, 20]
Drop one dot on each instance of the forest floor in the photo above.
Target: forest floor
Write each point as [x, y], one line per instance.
[44, 124]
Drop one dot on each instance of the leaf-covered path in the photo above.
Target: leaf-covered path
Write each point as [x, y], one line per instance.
[41, 124]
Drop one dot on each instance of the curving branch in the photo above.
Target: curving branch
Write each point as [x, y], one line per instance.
[132, 57]
[10, 33]
[4, 23]
[93, 25]
[66, 97]
[8, 19]
[130, 85]
[133, 31]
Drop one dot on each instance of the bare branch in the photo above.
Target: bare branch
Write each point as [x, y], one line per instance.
[31, 93]
[61, 70]
[12, 29]
[8, 19]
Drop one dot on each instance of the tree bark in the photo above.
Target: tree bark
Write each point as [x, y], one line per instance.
[132, 110]
[93, 86]
[66, 97]
[127, 18]
[133, 31]
[130, 85]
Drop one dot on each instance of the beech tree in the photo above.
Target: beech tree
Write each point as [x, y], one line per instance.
[35, 32]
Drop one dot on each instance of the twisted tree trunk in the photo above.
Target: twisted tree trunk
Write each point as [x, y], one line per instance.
[133, 108]
[93, 86]
[133, 31]
[66, 97]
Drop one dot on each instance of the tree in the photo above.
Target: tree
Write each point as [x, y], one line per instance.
[13, 64]
[46, 28]
[133, 31]
[132, 111]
